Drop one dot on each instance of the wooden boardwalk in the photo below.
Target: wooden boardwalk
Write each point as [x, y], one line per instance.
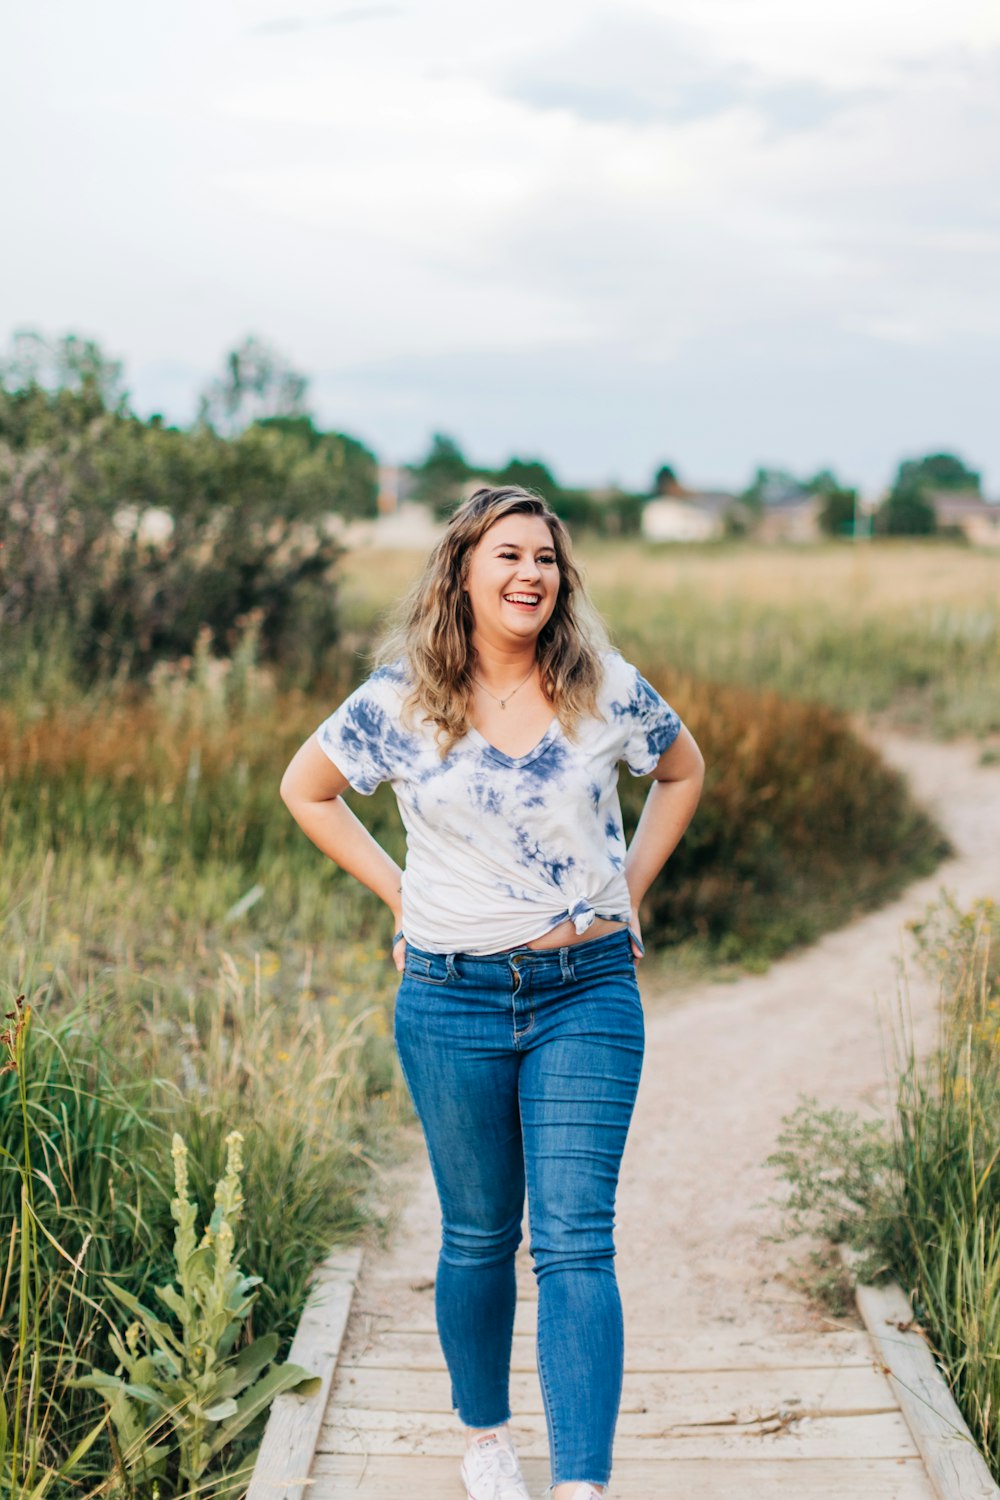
[713, 1416]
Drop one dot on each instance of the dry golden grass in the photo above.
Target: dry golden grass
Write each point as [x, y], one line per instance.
[872, 576]
[907, 629]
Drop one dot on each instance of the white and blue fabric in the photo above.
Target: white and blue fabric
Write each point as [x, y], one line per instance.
[502, 848]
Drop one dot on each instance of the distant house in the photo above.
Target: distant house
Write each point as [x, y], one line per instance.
[678, 514]
[977, 518]
[395, 486]
[795, 518]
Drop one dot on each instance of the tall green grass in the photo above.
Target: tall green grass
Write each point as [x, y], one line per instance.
[920, 1197]
[110, 1073]
[131, 830]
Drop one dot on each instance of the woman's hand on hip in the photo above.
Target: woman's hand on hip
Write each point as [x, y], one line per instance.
[399, 951]
[635, 933]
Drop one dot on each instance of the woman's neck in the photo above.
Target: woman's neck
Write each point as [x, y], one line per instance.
[500, 666]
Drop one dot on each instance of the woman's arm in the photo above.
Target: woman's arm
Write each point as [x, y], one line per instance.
[311, 789]
[675, 793]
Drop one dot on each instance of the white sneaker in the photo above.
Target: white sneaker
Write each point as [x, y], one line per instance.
[490, 1470]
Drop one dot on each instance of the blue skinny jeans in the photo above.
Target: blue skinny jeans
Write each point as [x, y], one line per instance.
[523, 1069]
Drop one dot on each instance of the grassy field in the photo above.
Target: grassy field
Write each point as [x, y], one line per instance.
[907, 632]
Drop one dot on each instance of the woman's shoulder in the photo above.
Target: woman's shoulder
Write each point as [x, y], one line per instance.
[625, 690]
[392, 674]
[379, 697]
[389, 681]
[617, 675]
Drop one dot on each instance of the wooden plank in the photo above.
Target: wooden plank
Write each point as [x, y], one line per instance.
[389, 1348]
[339, 1476]
[955, 1466]
[689, 1397]
[294, 1423]
[421, 1319]
[879, 1435]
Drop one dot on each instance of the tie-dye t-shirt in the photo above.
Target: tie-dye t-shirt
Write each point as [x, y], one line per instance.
[502, 848]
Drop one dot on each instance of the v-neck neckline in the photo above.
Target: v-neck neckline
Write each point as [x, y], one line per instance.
[517, 760]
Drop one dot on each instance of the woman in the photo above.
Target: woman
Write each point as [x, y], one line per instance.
[499, 714]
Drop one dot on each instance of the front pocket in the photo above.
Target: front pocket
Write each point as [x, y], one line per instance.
[426, 970]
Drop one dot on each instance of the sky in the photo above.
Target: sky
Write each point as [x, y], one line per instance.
[718, 235]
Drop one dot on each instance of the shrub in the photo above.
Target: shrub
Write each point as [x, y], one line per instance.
[131, 538]
[800, 824]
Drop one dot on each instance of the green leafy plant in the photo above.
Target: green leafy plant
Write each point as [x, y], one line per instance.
[187, 1389]
[841, 1189]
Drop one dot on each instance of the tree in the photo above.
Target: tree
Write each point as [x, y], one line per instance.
[664, 479]
[836, 514]
[256, 383]
[938, 471]
[770, 486]
[440, 476]
[823, 482]
[51, 388]
[908, 509]
[905, 512]
[69, 363]
[530, 474]
[327, 471]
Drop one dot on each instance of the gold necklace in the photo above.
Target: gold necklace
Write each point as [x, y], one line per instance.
[504, 701]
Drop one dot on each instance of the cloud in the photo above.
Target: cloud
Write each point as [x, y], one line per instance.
[696, 208]
[637, 69]
[286, 25]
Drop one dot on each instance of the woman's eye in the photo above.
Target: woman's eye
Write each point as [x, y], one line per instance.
[513, 555]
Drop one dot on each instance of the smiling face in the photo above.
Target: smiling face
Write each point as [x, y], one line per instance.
[513, 579]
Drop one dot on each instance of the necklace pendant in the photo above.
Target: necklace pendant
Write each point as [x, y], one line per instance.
[503, 702]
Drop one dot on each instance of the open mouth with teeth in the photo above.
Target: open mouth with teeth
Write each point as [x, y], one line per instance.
[523, 601]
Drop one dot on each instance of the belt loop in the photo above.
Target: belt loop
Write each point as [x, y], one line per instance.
[449, 966]
[565, 965]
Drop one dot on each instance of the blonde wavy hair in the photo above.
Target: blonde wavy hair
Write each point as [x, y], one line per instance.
[431, 628]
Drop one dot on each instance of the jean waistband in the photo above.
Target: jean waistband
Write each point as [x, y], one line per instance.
[554, 958]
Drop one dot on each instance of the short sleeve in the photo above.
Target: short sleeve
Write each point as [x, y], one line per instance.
[360, 736]
[648, 724]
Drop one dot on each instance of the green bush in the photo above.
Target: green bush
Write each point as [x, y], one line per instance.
[800, 825]
[129, 538]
